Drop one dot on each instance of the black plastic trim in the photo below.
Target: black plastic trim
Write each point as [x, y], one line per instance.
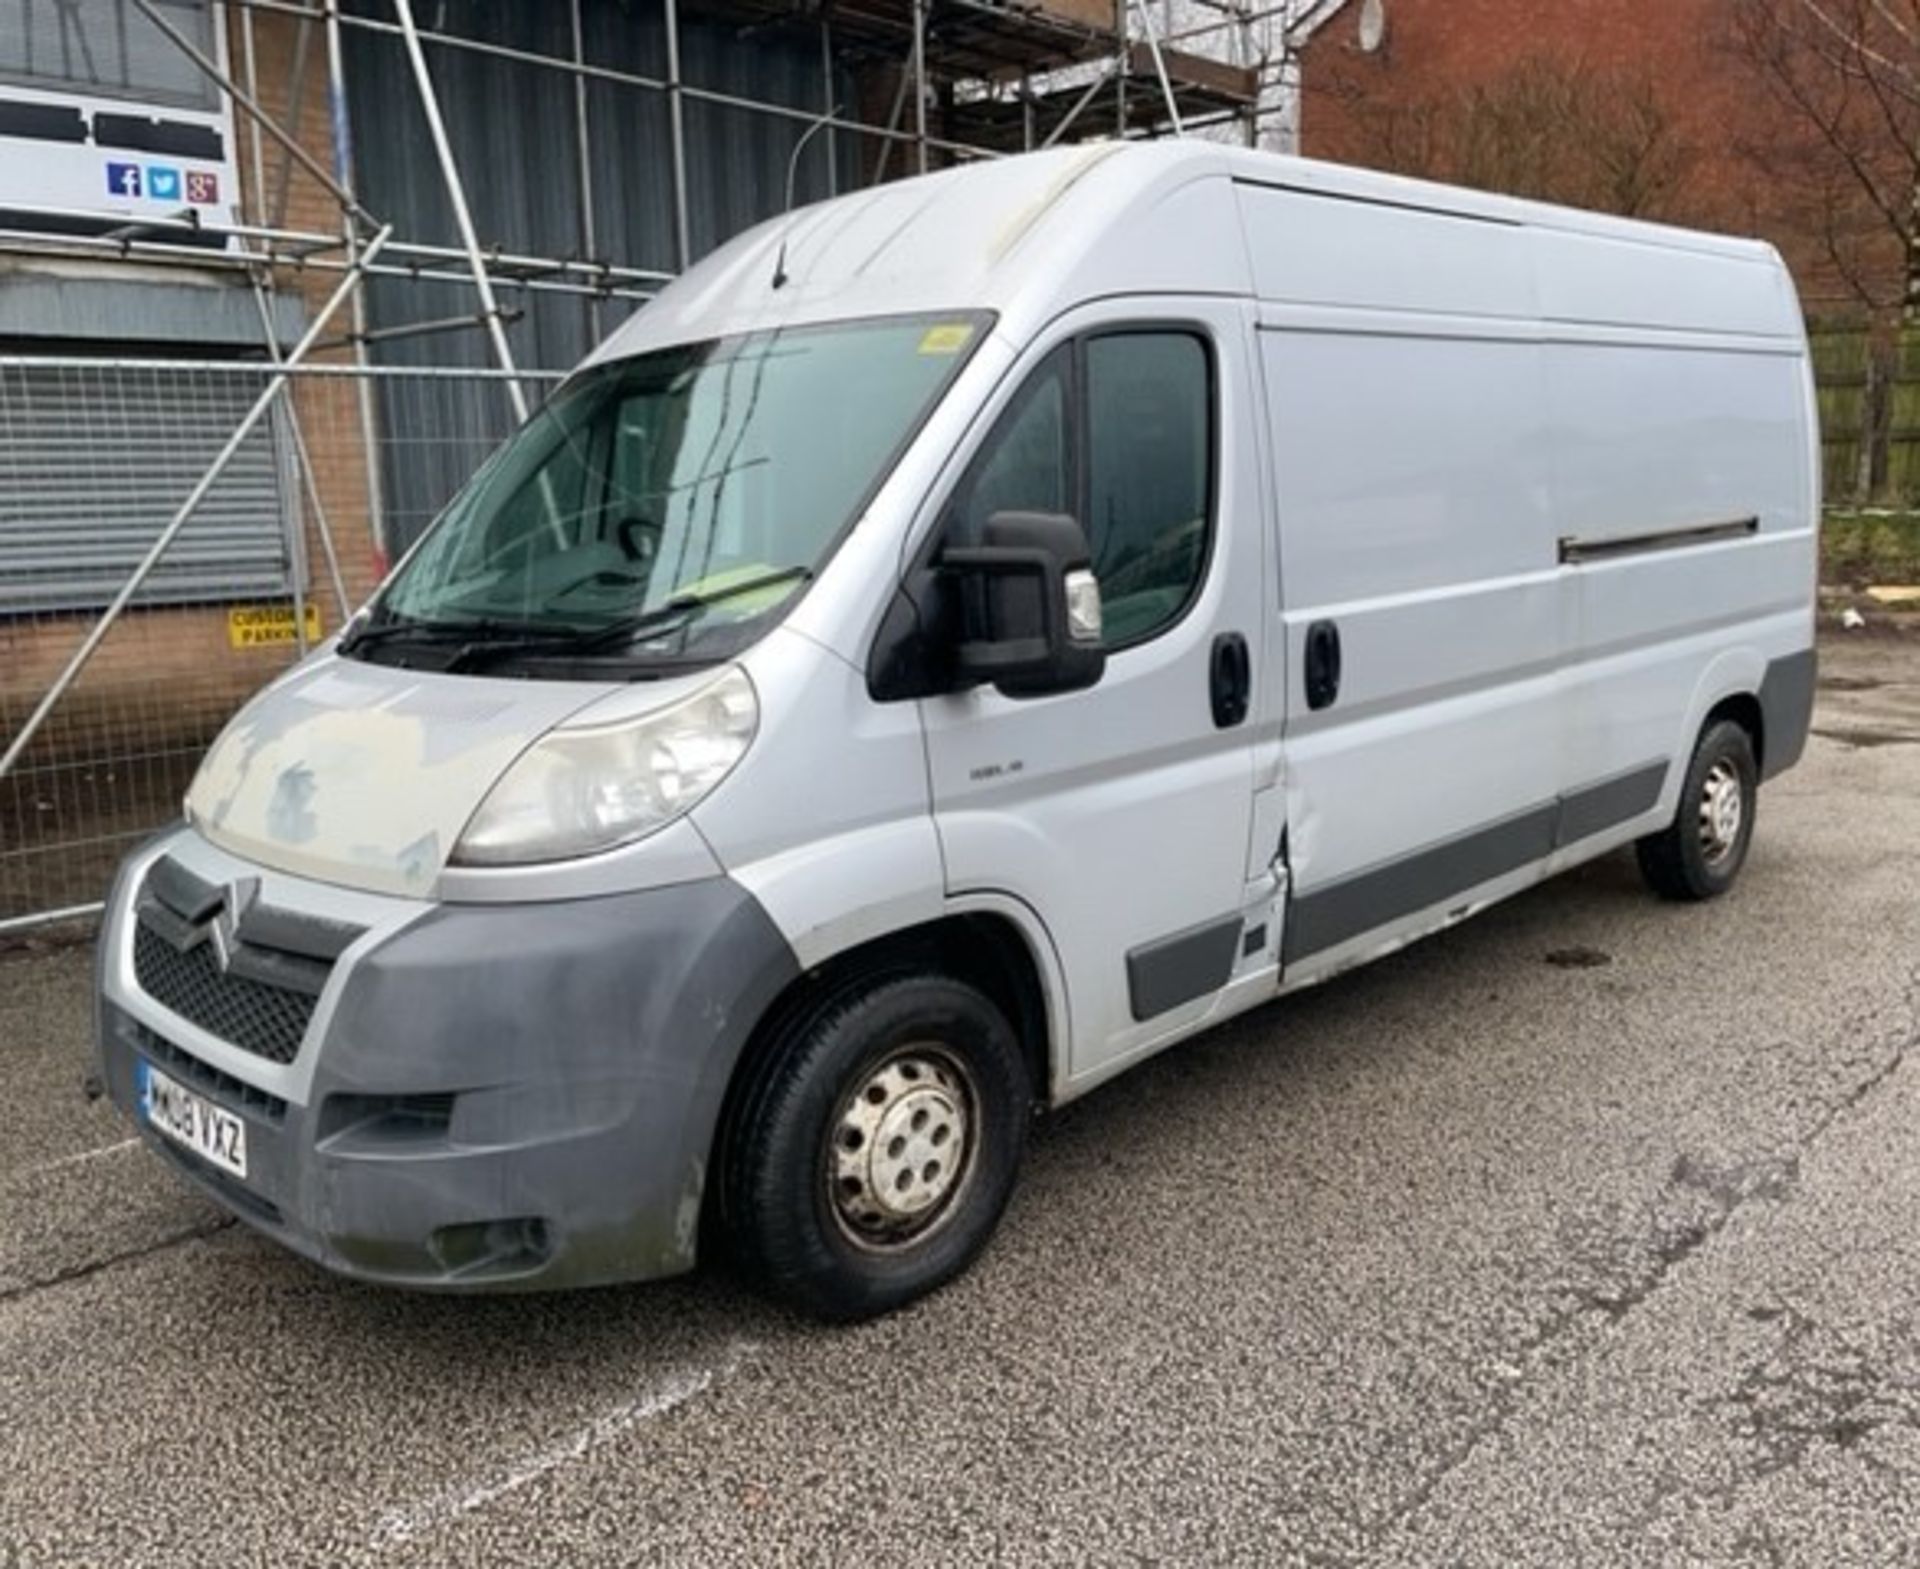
[1329, 916]
[1163, 974]
[1574, 551]
[1786, 710]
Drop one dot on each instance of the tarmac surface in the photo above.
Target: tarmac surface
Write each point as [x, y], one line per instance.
[1583, 1233]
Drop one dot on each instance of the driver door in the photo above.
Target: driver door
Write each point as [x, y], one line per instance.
[1121, 813]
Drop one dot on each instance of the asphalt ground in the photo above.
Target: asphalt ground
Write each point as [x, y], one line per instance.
[1584, 1233]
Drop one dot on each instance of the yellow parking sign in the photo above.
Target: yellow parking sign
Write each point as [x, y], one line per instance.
[258, 626]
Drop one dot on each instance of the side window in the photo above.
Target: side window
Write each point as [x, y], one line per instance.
[1149, 424]
[1026, 464]
[1117, 431]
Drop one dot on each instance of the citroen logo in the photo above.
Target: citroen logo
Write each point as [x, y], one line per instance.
[223, 932]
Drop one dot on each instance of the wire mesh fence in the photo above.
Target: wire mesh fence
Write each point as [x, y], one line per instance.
[96, 457]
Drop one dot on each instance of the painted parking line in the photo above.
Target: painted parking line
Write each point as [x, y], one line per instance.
[80, 1159]
[400, 1526]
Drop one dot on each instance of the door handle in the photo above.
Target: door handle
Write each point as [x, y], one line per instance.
[1323, 664]
[1230, 680]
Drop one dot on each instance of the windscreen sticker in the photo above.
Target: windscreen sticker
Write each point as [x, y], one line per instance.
[948, 338]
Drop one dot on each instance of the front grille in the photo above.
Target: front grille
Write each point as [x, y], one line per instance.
[264, 1020]
[234, 1094]
[246, 972]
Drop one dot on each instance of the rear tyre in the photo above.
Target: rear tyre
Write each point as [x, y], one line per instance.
[1700, 853]
[871, 1158]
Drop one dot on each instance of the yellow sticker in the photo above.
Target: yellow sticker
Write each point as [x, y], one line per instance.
[948, 338]
[262, 626]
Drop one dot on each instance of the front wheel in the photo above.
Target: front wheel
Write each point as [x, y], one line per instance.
[870, 1159]
[1698, 855]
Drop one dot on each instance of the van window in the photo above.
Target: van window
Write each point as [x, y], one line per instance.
[1027, 463]
[1149, 475]
[1131, 457]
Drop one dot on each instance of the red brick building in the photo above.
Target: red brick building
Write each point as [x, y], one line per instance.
[1661, 107]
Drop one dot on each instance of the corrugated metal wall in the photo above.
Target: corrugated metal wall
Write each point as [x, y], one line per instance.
[514, 130]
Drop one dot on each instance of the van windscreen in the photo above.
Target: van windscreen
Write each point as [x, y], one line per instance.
[675, 495]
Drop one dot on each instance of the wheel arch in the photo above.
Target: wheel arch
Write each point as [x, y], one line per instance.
[1745, 710]
[989, 941]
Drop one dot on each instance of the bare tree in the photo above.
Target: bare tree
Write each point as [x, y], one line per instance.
[1545, 128]
[1848, 71]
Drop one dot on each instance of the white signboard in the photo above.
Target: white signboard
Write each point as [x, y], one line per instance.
[64, 153]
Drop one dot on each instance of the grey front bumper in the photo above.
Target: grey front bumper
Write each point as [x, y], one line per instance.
[489, 1095]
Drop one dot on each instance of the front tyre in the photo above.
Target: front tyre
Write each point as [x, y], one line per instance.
[1698, 855]
[871, 1158]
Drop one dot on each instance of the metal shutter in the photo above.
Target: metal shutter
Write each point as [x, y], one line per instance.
[94, 461]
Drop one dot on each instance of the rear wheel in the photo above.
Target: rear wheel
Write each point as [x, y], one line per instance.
[1700, 853]
[870, 1159]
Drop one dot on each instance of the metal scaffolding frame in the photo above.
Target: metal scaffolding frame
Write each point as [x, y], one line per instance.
[1009, 76]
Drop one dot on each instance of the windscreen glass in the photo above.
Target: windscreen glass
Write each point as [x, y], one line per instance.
[691, 488]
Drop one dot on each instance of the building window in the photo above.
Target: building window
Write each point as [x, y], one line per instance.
[107, 48]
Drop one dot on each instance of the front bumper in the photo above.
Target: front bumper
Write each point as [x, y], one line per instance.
[487, 1096]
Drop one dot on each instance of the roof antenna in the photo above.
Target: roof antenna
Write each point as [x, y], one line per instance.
[793, 168]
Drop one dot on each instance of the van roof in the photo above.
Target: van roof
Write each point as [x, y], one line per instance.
[1019, 236]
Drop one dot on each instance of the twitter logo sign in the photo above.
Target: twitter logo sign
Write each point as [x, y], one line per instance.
[163, 182]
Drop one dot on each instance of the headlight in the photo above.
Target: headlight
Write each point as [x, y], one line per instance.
[578, 791]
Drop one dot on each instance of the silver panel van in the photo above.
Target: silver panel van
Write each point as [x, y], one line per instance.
[961, 639]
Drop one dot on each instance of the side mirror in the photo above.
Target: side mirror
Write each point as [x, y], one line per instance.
[1031, 606]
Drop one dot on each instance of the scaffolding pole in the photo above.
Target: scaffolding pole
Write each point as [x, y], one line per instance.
[677, 136]
[260, 117]
[457, 195]
[919, 83]
[1159, 62]
[342, 126]
[603, 73]
[589, 239]
[205, 483]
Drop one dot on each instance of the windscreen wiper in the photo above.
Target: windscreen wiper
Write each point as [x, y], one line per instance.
[370, 632]
[475, 635]
[677, 611]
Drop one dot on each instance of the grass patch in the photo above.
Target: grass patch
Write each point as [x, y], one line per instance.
[1867, 547]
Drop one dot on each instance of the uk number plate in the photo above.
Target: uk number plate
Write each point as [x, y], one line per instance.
[191, 1121]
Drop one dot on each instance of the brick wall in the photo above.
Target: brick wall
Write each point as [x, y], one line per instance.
[1733, 136]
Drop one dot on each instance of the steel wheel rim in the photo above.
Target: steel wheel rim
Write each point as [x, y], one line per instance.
[1723, 811]
[902, 1147]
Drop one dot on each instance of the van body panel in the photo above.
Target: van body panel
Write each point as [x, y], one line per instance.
[1647, 282]
[1309, 250]
[1428, 552]
[830, 829]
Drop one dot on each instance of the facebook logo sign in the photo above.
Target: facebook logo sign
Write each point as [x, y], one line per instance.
[163, 182]
[123, 179]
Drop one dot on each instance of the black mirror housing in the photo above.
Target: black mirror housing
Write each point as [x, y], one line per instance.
[1031, 606]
